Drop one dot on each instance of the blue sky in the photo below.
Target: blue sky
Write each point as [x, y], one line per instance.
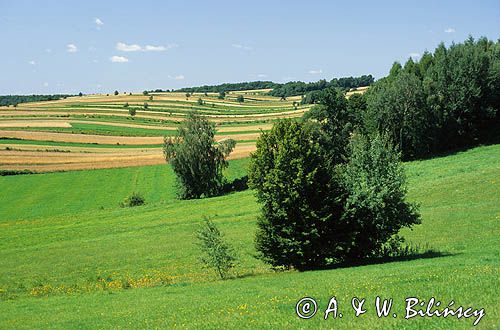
[99, 46]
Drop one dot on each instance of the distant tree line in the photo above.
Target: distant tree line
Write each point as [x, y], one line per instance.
[294, 88]
[6, 100]
[230, 87]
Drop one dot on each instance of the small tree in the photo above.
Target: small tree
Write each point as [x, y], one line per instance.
[197, 161]
[375, 208]
[132, 112]
[240, 98]
[188, 95]
[200, 101]
[145, 93]
[218, 254]
[125, 105]
[151, 97]
[146, 105]
[116, 93]
[222, 95]
[80, 94]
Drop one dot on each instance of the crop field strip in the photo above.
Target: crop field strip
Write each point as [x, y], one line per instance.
[97, 131]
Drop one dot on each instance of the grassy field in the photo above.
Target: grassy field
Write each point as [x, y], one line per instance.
[72, 258]
[104, 120]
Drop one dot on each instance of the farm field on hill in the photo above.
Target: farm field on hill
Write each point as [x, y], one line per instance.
[104, 120]
[74, 258]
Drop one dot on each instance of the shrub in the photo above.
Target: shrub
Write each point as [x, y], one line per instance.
[116, 93]
[200, 101]
[375, 208]
[240, 99]
[316, 212]
[222, 95]
[136, 199]
[125, 105]
[217, 253]
[132, 112]
[298, 195]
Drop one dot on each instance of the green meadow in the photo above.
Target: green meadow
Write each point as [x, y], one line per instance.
[70, 257]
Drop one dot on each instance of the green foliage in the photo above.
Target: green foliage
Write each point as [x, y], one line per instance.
[132, 112]
[449, 99]
[298, 196]
[145, 93]
[136, 199]
[240, 98]
[146, 106]
[125, 105]
[375, 208]
[217, 253]
[196, 160]
[397, 108]
[230, 87]
[6, 100]
[300, 88]
[116, 93]
[200, 101]
[222, 95]
[317, 211]
[336, 122]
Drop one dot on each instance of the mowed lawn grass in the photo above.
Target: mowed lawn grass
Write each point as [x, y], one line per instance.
[64, 260]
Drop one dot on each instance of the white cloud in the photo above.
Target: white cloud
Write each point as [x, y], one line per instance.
[118, 59]
[45, 84]
[240, 46]
[71, 48]
[127, 48]
[98, 22]
[148, 48]
[32, 62]
[414, 55]
[450, 30]
[315, 71]
[179, 77]
[48, 50]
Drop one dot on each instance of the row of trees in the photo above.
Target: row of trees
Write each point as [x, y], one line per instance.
[7, 100]
[230, 87]
[449, 99]
[283, 90]
[294, 88]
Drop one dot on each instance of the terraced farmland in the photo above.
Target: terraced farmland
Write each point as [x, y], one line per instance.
[97, 131]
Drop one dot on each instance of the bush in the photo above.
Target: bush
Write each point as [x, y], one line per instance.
[136, 199]
[116, 93]
[375, 208]
[315, 212]
[217, 253]
[132, 112]
[298, 195]
[196, 160]
[240, 99]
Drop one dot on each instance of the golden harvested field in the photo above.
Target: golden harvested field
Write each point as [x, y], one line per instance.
[96, 131]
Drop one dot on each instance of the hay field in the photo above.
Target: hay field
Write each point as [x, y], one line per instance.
[91, 131]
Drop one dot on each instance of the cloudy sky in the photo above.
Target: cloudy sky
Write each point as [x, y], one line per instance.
[99, 46]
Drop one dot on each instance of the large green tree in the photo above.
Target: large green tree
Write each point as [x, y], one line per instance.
[299, 199]
[197, 160]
